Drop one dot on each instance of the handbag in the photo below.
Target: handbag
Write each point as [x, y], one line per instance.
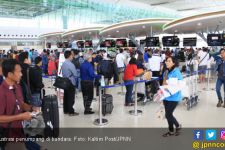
[62, 82]
[35, 126]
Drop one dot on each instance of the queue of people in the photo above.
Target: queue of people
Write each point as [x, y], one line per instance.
[83, 70]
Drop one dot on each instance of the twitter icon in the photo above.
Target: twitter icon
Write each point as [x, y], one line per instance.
[210, 135]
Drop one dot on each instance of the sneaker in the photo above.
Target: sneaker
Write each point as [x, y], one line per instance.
[219, 104]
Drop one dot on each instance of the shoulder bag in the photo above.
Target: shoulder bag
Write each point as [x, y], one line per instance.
[62, 82]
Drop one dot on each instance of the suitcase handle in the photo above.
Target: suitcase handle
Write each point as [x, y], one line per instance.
[42, 93]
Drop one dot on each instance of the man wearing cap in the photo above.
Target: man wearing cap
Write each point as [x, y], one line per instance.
[87, 82]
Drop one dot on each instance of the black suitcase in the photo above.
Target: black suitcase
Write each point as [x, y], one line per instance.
[107, 104]
[51, 115]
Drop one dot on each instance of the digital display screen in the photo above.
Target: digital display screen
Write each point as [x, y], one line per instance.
[190, 41]
[215, 39]
[121, 43]
[152, 41]
[108, 43]
[171, 41]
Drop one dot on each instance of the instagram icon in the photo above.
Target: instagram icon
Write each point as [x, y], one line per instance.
[222, 134]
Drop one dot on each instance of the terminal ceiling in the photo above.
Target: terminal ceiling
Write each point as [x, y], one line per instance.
[103, 12]
[188, 7]
[99, 11]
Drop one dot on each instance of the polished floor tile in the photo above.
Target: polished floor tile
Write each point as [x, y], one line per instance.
[205, 114]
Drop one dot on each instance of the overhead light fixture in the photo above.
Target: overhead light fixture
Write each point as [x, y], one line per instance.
[199, 24]
[143, 27]
[89, 32]
[117, 31]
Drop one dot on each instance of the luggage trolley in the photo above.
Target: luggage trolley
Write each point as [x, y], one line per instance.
[190, 93]
[146, 90]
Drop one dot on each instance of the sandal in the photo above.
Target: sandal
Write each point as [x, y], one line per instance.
[168, 134]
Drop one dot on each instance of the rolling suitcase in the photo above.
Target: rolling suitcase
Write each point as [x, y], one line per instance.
[107, 104]
[51, 116]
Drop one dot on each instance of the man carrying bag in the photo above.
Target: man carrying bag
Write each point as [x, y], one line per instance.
[69, 71]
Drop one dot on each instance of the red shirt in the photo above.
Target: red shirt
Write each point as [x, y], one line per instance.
[7, 106]
[51, 67]
[130, 72]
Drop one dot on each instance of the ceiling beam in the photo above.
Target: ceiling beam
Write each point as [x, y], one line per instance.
[162, 3]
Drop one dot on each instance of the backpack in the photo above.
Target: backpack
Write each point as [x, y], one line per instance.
[26, 92]
[76, 62]
[26, 88]
[106, 68]
[181, 56]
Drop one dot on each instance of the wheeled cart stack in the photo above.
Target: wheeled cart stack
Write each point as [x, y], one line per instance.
[146, 90]
[190, 93]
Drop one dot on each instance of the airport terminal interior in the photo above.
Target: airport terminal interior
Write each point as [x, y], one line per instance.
[97, 47]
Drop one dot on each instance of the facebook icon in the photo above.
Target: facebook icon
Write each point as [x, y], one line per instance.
[198, 134]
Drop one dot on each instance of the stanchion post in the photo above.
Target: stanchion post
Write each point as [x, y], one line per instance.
[100, 107]
[197, 76]
[100, 121]
[135, 112]
[135, 102]
[207, 89]
[122, 90]
[208, 81]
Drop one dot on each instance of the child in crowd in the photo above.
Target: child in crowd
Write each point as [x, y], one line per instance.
[52, 66]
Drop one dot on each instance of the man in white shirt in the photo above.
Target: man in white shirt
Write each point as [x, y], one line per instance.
[121, 64]
[155, 63]
[203, 57]
[163, 56]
